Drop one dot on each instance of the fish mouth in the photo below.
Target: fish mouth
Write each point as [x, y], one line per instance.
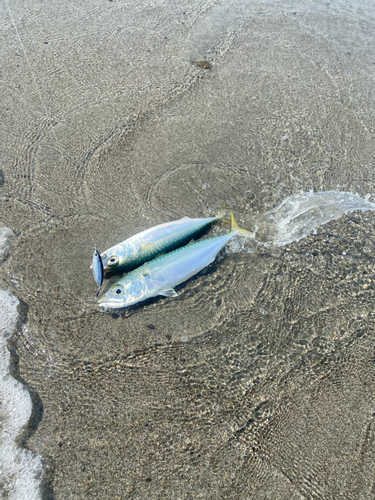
[110, 303]
[107, 302]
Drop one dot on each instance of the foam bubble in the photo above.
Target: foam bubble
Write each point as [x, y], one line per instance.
[20, 469]
[6, 238]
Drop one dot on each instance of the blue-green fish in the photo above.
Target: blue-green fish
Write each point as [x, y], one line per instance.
[148, 244]
[161, 275]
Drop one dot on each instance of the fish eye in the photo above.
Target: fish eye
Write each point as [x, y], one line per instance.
[113, 261]
[119, 290]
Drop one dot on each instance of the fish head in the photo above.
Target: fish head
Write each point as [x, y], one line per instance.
[113, 261]
[126, 292]
[110, 261]
[117, 257]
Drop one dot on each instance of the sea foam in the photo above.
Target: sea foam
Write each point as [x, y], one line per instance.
[6, 238]
[20, 469]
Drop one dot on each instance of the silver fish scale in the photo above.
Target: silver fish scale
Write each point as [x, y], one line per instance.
[162, 247]
[164, 259]
[149, 244]
[161, 275]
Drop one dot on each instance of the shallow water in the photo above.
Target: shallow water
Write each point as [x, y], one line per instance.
[257, 381]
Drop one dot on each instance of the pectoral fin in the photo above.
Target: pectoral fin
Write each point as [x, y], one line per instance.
[169, 293]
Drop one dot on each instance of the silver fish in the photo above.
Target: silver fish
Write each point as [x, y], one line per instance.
[155, 241]
[97, 268]
[161, 275]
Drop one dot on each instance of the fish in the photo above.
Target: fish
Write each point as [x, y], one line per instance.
[160, 276]
[97, 269]
[151, 243]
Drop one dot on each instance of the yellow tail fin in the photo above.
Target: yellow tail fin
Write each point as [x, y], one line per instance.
[242, 232]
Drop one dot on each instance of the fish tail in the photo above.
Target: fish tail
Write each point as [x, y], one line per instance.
[239, 230]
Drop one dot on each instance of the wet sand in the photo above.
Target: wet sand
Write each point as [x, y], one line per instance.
[257, 381]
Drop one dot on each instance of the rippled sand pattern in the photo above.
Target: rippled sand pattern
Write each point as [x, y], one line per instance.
[258, 380]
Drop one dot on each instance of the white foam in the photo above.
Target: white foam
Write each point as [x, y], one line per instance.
[299, 215]
[6, 238]
[20, 469]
